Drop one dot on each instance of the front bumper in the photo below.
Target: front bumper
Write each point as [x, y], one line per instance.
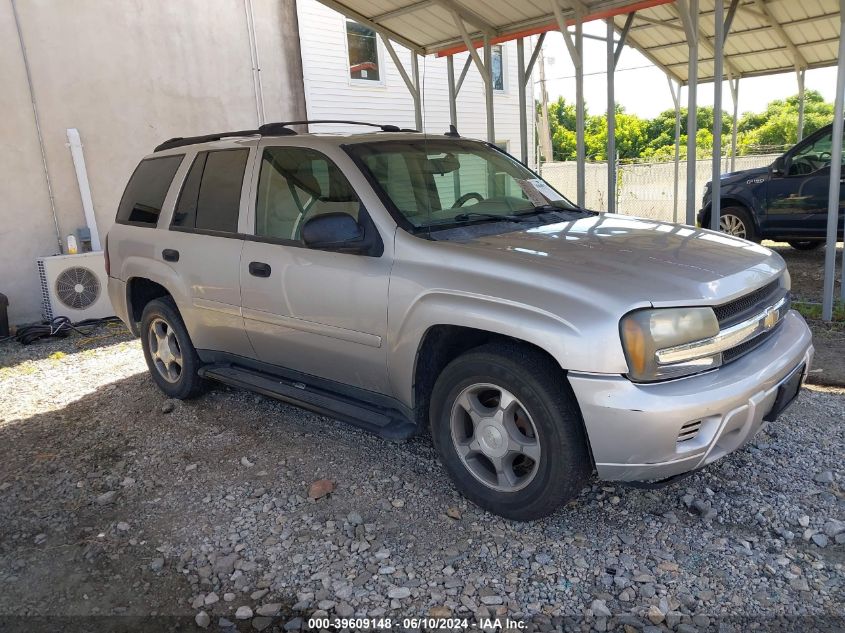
[634, 428]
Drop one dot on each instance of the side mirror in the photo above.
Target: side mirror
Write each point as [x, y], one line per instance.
[333, 232]
[779, 166]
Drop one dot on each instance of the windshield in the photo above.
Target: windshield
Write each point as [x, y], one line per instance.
[439, 182]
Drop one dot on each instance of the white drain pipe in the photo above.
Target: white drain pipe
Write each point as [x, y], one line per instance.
[75, 145]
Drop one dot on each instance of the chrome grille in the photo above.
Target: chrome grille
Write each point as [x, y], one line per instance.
[743, 348]
[738, 309]
[747, 346]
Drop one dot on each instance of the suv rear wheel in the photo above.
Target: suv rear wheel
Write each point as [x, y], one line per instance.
[170, 355]
[805, 245]
[508, 431]
[737, 222]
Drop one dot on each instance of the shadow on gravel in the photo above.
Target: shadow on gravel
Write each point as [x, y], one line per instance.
[106, 503]
[13, 353]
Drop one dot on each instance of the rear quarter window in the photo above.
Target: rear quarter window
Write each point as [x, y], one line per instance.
[144, 195]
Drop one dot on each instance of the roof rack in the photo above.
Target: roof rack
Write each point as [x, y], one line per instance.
[270, 129]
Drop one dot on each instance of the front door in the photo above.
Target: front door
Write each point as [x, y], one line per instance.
[317, 312]
[797, 200]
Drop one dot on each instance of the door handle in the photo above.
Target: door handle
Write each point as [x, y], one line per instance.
[259, 269]
[170, 255]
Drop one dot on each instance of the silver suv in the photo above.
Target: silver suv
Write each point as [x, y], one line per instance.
[403, 281]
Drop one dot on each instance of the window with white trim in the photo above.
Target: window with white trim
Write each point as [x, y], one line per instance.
[362, 43]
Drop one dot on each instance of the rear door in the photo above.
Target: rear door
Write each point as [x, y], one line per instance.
[316, 312]
[204, 246]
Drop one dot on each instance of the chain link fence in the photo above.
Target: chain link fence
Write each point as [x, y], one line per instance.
[643, 189]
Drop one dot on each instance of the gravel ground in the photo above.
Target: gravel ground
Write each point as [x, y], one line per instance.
[807, 270]
[117, 502]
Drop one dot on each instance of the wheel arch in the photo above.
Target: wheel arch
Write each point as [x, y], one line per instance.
[732, 201]
[149, 284]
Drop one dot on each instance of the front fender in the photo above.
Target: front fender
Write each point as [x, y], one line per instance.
[570, 345]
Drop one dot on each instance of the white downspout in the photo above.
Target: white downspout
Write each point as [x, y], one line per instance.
[75, 145]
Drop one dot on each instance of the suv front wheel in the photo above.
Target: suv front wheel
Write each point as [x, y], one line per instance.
[737, 222]
[508, 431]
[170, 355]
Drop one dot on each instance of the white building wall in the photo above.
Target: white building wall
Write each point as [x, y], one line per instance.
[127, 75]
[331, 94]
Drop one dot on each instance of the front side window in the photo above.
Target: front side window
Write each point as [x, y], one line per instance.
[498, 68]
[211, 196]
[436, 182]
[812, 157]
[363, 52]
[144, 195]
[296, 184]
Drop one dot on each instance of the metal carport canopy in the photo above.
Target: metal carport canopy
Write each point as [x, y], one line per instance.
[428, 26]
[766, 36]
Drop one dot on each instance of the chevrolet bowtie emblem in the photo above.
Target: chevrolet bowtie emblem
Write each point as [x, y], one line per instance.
[770, 318]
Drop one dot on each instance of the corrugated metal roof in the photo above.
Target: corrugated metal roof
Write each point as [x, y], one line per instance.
[766, 36]
[429, 26]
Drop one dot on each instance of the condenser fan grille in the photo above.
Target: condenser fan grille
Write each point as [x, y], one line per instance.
[77, 287]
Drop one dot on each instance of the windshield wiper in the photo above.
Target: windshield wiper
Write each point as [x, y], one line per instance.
[472, 215]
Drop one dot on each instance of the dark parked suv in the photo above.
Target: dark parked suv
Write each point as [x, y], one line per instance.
[786, 201]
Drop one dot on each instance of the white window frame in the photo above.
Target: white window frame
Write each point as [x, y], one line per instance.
[381, 82]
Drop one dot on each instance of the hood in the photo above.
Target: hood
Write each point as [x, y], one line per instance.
[744, 176]
[638, 261]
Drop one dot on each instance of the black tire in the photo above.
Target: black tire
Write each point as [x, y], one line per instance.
[805, 245]
[186, 383]
[540, 386]
[743, 216]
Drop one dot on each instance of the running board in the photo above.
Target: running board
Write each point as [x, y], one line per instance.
[387, 423]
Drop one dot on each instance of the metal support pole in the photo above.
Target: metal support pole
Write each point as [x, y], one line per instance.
[689, 15]
[676, 98]
[613, 55]
[576, 53]
[734, 85]
[411, 83]
[521, 81]
[835, 175]
[611, 120]
[546, 149]
[580, 153]
[488, 90]
[453, 95]
[415, 71]
[718, 73]
[801, 73]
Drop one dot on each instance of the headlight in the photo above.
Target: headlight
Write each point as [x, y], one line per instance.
[645, 333]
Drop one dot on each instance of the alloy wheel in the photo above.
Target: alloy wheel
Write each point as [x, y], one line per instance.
[495, 437]
[165, 350]
[732, 225]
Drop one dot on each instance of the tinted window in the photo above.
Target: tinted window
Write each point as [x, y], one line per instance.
[185, 213]
[295, 185]
[211, 196]
[144, 196]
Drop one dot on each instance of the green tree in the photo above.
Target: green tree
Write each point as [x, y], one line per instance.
[774, 129]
